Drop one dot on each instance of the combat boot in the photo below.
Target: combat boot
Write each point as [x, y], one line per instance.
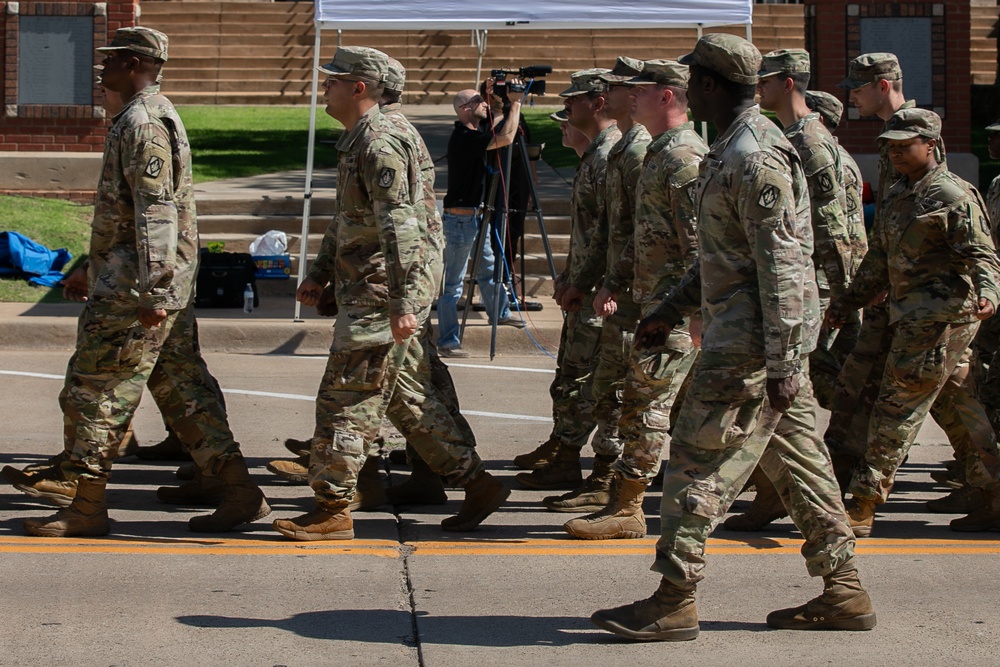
[593, 496]
[186, 472]
[370, 491]
[298, 447]
[422, 487]
[242, 500]
[861, 515]
[844, 605]
[48, 485]
[169, 449]
[670, 615]
[129, 445]
[622, 519]
[328, 522]
[483, 496]
[542, 455]
[983, 518]
[563, 472]
[843, 468]
[765, 508]
[201, 490]
[960, 501]
[86, 516]
[296, 472]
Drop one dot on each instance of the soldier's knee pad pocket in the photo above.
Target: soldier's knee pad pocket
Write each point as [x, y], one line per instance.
[113, 351]
[361, 370]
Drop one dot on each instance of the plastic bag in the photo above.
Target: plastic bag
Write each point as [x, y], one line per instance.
[273, 242]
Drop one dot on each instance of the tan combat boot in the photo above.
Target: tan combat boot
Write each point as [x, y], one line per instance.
[422, 487]
[593, 496]
[563, 472]
[844, 605]
[47, 484]
[51, 462]
[622, 519]
[298, 447]
[861, 515]
[541, 456]
[201, 490]
[765, 508]
[670, 615]
[169, 449]
[483, 496]
[370, 492]
[86, 516]
[296, 472]
[960, 501]
[242, 501]
[983, 518]
[331, 522]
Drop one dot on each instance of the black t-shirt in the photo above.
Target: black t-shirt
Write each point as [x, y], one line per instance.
[466, 166]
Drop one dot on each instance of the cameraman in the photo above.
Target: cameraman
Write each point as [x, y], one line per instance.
[466, 183]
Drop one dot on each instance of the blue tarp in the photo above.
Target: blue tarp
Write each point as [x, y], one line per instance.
[20, 255]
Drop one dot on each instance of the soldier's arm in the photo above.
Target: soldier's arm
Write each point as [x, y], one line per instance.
[589, 271]
[322, 267]
[148, 167]
[620, 274]
[685, 299]
[832, 250]
[871, 279]
[969, 234]
[683, 211]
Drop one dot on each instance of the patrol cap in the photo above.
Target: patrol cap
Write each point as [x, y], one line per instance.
[662, 72]
[586, 81]
[784, 61]
[730, 56]
[870, 67]
[995, 127]
[912, 123]
[396, 76]
[827, 105]
[559, 116]
[360, 61]
[625, 68]
[145, 41]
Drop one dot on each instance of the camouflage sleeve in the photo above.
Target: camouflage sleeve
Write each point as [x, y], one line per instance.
[322, 267]
[684, 299]
[683, 208]
[391, 177]
[766, 205]
[832, 251]
[588, 272]
[969, 233]
[620, 274]
[148, 169]
[871, 278]
[621, 271]
[993, 210]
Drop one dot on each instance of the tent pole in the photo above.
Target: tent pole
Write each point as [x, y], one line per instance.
[310, 151]
[704, 125]
[479, 38]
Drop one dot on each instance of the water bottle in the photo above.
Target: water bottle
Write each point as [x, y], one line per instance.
[248, 299]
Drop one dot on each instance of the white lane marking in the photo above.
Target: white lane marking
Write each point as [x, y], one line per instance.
[451, 364]
[301, 397]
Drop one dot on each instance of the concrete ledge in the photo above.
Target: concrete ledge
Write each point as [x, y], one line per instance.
[49, 171]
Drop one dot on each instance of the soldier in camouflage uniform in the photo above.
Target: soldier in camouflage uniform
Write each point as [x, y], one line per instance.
[754, 283]
[932, 247]
[556, 463]
[661, 248]
[142, 266]
[611, 235]
[379, 255]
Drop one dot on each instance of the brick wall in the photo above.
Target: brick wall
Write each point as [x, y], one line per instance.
[55, 128]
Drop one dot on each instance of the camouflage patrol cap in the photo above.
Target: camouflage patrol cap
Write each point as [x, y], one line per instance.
[559, 116]
[870, 67]
[828, 106]
[784, 61]
[358, 61]
[912, 123]
[662, 72]
[145, 41]
[396, 76]
[995, 127]
[586, 81]
[730, 56]
[625, 68]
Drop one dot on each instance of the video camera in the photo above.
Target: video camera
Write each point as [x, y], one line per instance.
[529, 73]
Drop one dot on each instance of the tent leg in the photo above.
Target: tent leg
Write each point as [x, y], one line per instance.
[479, 38]
[307, 191]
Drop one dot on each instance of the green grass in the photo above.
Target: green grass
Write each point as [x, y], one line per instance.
[546, 131]
[53, 223]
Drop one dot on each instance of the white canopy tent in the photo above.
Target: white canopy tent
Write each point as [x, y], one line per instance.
[480, 17]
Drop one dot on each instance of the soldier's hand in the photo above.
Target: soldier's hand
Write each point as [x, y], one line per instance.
[572, 300]
[403, 326]
[781, 392]
[75, 285]
[151, 317]
[879, 298]
[605, 303]
[309, 292]
[695, 328]
[652, 332]
[559, 288]
[986, 309]
[833, 319]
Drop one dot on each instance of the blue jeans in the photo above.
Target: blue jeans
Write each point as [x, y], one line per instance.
[460, 235]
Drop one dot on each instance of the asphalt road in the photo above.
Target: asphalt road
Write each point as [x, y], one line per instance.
[517, 591]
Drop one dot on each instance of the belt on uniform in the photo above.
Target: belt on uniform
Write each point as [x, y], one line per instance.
[461, 211]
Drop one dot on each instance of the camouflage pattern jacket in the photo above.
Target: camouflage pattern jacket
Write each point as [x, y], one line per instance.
[754, 279]
[887, 174]
[144, 238]
[933, 250]
[854, 189]
[993, 209]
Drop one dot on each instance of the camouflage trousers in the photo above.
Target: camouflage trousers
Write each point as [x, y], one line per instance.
[115, 359]
[572, 389]
[361, 385]
[986, 368]
[923, 360]
[721, 433]
[827, 360]
[653, 387]
[608, 384]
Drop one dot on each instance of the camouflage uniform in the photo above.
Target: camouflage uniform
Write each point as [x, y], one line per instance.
[932, 247]
[754, 283]
[379, 254]
[143, 254]
[985, 371]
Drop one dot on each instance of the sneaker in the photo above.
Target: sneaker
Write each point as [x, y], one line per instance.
[453, 352]
[511, 322]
